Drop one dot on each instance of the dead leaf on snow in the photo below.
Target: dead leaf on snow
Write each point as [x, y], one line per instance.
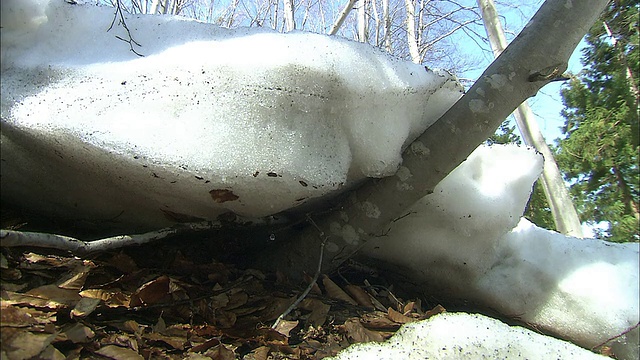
[438, 309]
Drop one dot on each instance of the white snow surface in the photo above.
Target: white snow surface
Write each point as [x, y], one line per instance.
[272, 119]
[467, 240]
[453, 336]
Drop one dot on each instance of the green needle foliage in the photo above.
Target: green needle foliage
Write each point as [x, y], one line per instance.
[599, 151]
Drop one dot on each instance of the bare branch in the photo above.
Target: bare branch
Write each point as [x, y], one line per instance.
[118, 15]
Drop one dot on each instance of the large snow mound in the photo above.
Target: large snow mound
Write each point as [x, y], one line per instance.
[465, 336]
[467, 240]
[209, 120]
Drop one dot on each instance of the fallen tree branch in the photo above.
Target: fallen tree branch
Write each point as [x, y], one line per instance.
[544, 46]
[12, 238]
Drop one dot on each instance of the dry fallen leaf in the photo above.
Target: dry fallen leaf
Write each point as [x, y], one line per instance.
[360, 296]
[79, 333]
[358, 333]
[119, 353]
[335, 292]
[152, 292]
[56, 294]
[319, 310]
[84, 307]
[260, 353]
[438, 309]
[398, 317]
[284, 327]
[19, 344]
[75, 279]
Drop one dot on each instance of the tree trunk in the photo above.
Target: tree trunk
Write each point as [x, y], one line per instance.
[543, 47]
[412, 40]
[633, 86]
[342, 17]
[564, 213]
[626, 193]
[289, 15]
[363, 22]
[387, 25]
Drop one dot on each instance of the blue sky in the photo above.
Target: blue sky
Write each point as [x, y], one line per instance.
[547, 104]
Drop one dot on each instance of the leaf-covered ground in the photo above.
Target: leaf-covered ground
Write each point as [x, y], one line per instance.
[173, 300]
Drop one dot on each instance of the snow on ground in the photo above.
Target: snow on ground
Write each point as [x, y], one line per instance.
[465, 336]
[212, 120]
[209, 120]
[467, 240]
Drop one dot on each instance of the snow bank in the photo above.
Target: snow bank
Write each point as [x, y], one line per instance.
[210, 120]
[462, 241]
[465, 336]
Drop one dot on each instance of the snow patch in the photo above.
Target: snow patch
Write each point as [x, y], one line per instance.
[271, 120]
[465, 336]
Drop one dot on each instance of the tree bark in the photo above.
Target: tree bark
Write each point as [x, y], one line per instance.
[387, 25]
[289, 15]
[412, 39]
[564, 213]
[542, 48]
[342, 17]
[362, 22]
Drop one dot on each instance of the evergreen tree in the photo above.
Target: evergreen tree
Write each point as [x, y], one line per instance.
[599, 153]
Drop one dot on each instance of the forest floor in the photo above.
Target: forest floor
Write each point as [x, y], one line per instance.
[174, 300]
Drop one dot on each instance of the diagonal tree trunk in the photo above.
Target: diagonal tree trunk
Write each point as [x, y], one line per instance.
[343, 15]
[542, 49]
[564, 213]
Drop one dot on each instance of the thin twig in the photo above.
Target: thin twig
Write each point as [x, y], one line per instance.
[122, 22]
[311, 283]
[617, 336]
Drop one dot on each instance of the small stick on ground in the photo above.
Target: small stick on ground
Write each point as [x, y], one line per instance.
[311, 283]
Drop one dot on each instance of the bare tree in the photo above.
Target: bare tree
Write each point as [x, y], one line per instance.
[289, 15]
[343, 15]
[412, 40]
[564, 213]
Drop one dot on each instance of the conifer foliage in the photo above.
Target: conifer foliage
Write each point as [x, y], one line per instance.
[599, 152]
